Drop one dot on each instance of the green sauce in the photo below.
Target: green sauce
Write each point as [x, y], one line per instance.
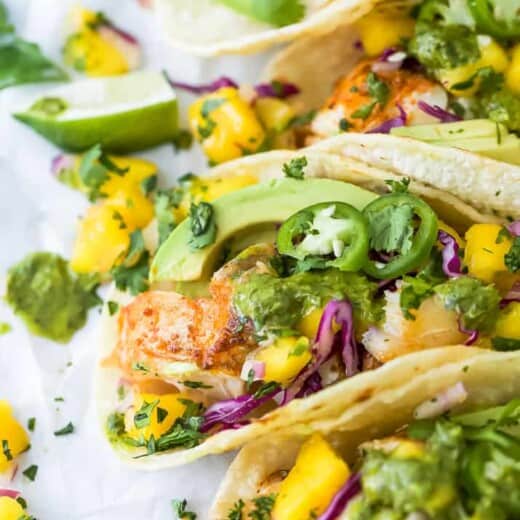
[275, 304]
[49, 297]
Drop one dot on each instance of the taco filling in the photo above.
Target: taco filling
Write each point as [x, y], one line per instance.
[453, 467]
[451, 67]
[341, 287]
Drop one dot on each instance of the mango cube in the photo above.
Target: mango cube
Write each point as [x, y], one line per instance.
[13, 437]
[10, 509]
[508, 323]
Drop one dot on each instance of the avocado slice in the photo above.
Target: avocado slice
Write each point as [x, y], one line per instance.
[450, 132]
[269, 202]
[507, 150]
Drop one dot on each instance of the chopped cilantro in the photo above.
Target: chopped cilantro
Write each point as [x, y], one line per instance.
[179, 508]
[165, 202]
[59, 400]
[5, 450]
[399, 186]
[143, 416]
[295, 168]
[506, 344]
[302, 120]
[263, 507]
[207, 107]
[202, 225]
[161, 414]
[503, 234]
[31, 424]
[377, 89]
[196, 384]
[302, 346]
[183, 140]
[512, 257]
[364, 111]
[115, 425]
[113, 307]
[236, 511]
[31, 472]
[344, 124]
[66, 430]
[139, 367]
[266, 389]
[149, 185]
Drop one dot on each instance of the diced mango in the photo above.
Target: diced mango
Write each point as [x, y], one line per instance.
[101, 240]
[408, 449]
[212, 188]
[226, 125]
[508, 323]
[380, 31]
[275, 114]
[309, 324]
[285, 358]
[492, 55]
[10, 509]
[13, 433]
[485, 251]
[513, 72]
[318, 474]
[169, 403]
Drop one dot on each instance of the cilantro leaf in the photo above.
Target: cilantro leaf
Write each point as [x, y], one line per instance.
[66, 430]
[202, 225]
[6, 450]
[364, 111]
[277, 13]
[476, 303]
[512, 257]
[183, 140]
[295, 168]
[21, 61]
[196, 384]
[263, 507]
[113, 307]
[143, 416]
[164, 204]
[399, 186]
[236, 511]
[506, 344]
[377, 89]
[30, 472]
[179, 508]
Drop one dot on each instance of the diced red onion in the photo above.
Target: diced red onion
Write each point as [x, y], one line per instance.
[258, 368]
[514, 228]
[207, 88]
[442, 403]
[11, 493]
[439, 113]
[451, 264]
[339, 311]
[232, 411]
[276, 89]
[395, 122]
[61, 163]
[339, 503]
[473, 334]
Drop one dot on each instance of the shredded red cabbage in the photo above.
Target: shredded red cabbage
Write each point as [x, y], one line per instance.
[276, 89]
[339, 311]
[451, 264]
[339, 503]
[11, 493]
[232, 411]
[395, 122]
[207, 88]
[472, 334]
[439, 113]
[514, 228]
[311, 386]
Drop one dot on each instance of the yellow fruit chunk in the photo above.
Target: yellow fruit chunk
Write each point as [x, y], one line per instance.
[309, 324]
[285, 358]
[491, 55]
[380, 31]
[508, 323]
[485, 251]
[407, 449]
[318, 474]
[275, 114]
[13, 433]
[212, 188]
[160, 422]
[101, 240]
[513, 72]
[10, 509]
[226, 125]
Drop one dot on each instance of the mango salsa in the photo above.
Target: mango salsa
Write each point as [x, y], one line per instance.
[318, 474]
[226, 125]
[10, 509]
[486, 247]
[285, 358]
[13, 437]
[166, 410]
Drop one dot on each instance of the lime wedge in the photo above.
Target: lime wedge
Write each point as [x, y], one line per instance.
[123, 114]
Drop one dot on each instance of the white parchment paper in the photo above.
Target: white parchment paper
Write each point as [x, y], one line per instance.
[79, 477]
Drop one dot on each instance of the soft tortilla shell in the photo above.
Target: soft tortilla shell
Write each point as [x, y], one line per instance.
[490, 379]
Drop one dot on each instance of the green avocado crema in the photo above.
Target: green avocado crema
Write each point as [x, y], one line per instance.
[277, 304]
[51, 299]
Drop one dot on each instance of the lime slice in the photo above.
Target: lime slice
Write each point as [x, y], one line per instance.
[123, 114]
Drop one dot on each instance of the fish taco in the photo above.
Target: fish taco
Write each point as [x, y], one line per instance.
[314, 283]
[445, 445]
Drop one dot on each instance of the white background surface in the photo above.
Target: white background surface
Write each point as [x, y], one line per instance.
[79, 477]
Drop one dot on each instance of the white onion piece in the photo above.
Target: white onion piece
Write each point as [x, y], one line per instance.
[258, 368]
[442, 403]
